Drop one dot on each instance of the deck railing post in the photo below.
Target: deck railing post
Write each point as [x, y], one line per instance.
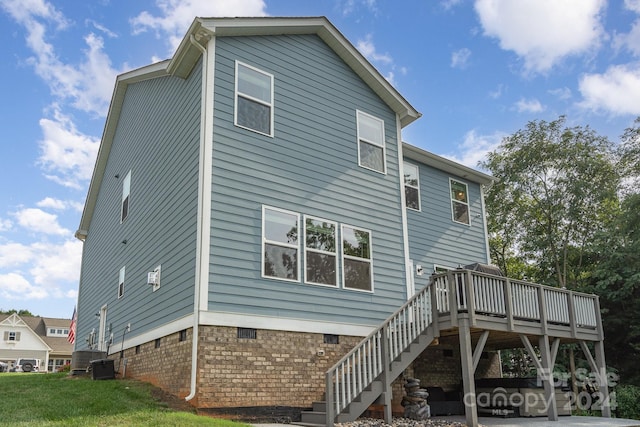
[329, 396]
[471, 300]
[508, 303]
[452, 293]
[435, 315]
[573, 324]
[596, 307]
[542, 309]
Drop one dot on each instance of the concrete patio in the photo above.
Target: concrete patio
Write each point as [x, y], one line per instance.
[572, 421]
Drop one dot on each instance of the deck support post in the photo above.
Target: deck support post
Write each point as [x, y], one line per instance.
[386, 381]
[599, 368]
[546, 376]
[468, 382]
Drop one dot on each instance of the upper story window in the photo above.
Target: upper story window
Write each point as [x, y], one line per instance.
[371, 149]
[459, 201]
[57, 332]
[12, 336]
[121, 283]
[280, 243]
[357, 271]
[254, 99]
[126, 191]
[320, 252]
[411, 186]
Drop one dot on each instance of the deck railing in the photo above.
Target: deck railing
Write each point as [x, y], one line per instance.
[456, 291]
[483, 293]
[372, 357]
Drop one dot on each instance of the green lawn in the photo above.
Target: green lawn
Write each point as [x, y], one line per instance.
[62, 400]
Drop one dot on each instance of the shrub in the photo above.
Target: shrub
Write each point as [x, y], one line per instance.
[627, 398]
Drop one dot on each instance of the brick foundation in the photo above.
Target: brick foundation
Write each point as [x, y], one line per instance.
[275, 375]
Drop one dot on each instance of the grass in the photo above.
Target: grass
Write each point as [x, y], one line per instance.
[61, 400]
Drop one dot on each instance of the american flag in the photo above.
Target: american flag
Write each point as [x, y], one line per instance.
[72, 328]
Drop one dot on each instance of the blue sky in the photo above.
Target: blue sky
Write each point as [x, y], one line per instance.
[476, 69]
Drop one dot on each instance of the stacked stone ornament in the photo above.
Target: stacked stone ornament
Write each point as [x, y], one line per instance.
[415, 401]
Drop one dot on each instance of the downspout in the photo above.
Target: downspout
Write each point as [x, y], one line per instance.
[403, 210]
[204, 206]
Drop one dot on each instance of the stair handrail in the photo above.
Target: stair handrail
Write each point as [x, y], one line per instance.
[364, 363]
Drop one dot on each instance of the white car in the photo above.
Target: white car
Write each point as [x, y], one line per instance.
[27, 365]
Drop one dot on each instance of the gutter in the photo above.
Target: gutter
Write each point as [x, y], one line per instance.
[204, 201]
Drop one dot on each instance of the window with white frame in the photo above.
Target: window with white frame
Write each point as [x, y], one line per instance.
[254, 99]
[412, 186]
[357, 271]
[126, 191]
[320, 237]
[121, 283]
[280, 244]
[371, 147]
[459, 201]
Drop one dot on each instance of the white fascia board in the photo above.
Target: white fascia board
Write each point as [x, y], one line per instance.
[446, 165]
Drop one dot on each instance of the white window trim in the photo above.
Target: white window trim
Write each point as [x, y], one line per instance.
[121, 279]
[413, 165]
[452, 200]
[259, 101]
[335, 254]
[126, 193]
[370, 260]
[288, 245]
[383, 145]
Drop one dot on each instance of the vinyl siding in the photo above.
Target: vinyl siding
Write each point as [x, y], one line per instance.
[157, 139]
[434, 238]
[310, 166]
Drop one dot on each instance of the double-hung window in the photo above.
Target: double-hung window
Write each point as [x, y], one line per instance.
[121, 283]
[126, 192]
[459, 201]
[254, 99]
[320, 252]
[371, 149]
[280, 247]
[411, 186]
[357, 271]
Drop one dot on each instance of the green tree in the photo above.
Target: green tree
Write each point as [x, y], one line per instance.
[18, 312]
[556, 188]
[615, 277]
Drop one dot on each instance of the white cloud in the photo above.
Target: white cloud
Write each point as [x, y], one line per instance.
[498, 92]
[13, 254]
[101, 28]
[13, 286]
[543, 32]
[562, 93]
[57, 263]
[630, 40]
[51, 203]
[475, 147]
[5, 225]
[529, 106]
[449, 4]
[460, 58]
[368, 49]
[39, 221]
[176, 16]
[88, 84]
[66, 154]
[616, 91]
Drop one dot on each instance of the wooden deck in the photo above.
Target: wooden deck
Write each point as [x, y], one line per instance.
[484, 311]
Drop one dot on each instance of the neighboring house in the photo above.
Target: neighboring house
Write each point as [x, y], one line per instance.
[40, 338]
[254, 213]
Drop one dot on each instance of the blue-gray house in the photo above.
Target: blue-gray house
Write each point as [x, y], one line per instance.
[254, 213]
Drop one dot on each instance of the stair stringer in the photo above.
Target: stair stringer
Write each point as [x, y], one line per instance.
[372, 393]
